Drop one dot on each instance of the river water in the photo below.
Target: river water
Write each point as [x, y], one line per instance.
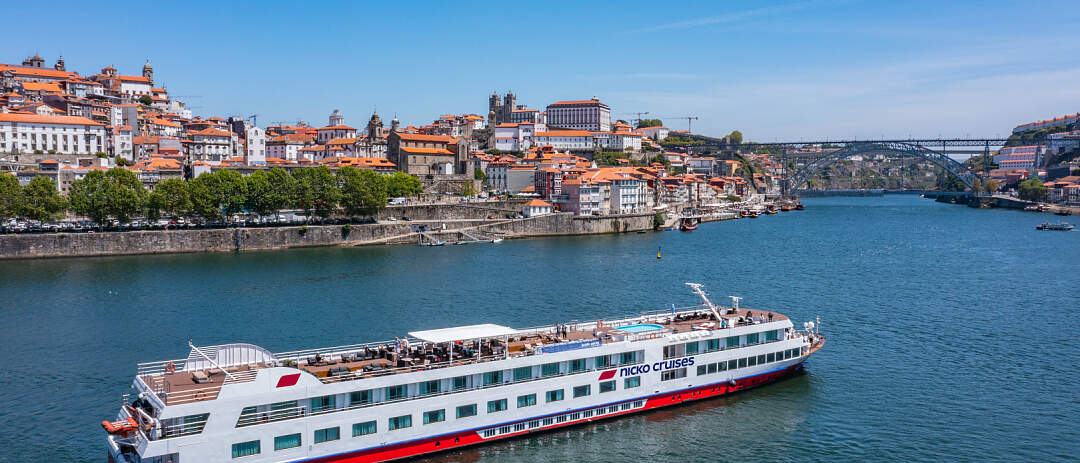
[953, 332]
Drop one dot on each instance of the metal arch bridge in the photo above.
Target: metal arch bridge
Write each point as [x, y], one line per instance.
[932, 150]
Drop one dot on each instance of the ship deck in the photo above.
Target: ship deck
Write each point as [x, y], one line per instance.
[381, 359]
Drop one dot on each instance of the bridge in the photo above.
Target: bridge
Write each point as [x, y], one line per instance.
[812, 157]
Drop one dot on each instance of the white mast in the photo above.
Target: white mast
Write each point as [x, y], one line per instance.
[696, 287]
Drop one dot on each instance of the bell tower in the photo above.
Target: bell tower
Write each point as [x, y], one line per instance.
[375, 127]
[59, 66]
[148, 72]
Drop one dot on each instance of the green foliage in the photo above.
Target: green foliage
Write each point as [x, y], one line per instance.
[649, 123]
[52, 151]
[346, 229]
[146, 100]
[661, 159]
[39, 152]
[675, 140]
[363, 191]
[990, 186]
[218, 194]
[400, 184]
[10, 196]
[41, 201]
[468, 190]
[303, 230]
[479, 174]
[115, 193]
[1076, 171]
[1032, 189]
[317, 190]
[735, 137]
[123, 162]
[609, 158]
[170, 197]
[271, 191]
[733, 198]
[657, 221]
[949, 182]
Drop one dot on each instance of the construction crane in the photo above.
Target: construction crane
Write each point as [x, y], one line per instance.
[688, 121]
[252, 117]
[637, 121]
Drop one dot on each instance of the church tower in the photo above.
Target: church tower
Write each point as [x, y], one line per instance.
[375, 127]
[35, 61]
[336, 118]
[60, 64]
[148, 72]
[109, 71]
[493, 107]
[395, 125]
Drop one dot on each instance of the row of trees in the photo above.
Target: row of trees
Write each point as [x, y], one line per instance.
[118, 194]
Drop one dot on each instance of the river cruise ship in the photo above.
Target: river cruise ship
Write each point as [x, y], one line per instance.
[446, 388]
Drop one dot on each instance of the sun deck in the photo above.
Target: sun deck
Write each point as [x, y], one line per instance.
[343, 363]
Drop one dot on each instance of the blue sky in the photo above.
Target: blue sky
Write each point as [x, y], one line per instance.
[774, 70]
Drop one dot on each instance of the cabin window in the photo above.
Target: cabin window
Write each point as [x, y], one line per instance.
[434, 416]
[752, 338]
[751, 361]
[577, 365]
[771, 357]
[493, 377]
[761, 359]
[522, 374]
[287, 442]
[549, 369]
[466, 411]
[626, 358]
[395, 392]
[607, 386]
[677, 350]
[429, 387]
[633, 381]
[732, 341]
[400, 422]
[712, 344]
[459, 383]
[328, 434]
[713, 367]
[363, 429]
[320, 404]
[691, 348]
[496, 405]
[526, 400]
[244, 449]
[673, 374]
[581, 391]
[770, 335]
[282, 410]
[603, 361]
[742, 362]
[360, 397]
[554, 396]
[701, 370]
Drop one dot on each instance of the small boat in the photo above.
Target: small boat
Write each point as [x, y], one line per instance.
[688, 225]
[799, 206]
[642, 231]
[753, 214]
[1063, 226]
[1063, 212]
[1035, 208]
[436, 243]
[787, 208]
[496, 240]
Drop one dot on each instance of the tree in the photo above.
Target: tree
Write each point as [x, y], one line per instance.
[649, 123]
[735, 137]
[270, 191]
[990, 186]
[317, 190]
[468, 190]
[479, 174]
[657, 221]
[400, 184]
[122, 162]
[146, 100]
[116, 193]
[40, 200]
[10, 196]
[218, 194]
[363, 191]
[170, 197]
[1032, 189]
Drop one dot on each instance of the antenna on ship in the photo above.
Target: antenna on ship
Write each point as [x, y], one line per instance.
[696, 288]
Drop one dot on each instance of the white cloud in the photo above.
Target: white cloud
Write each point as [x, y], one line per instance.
[732, 17]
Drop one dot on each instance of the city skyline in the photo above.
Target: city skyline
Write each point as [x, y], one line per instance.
[783, 70]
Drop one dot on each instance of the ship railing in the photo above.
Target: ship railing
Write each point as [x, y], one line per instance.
[192, 395]
[183, 429]
[358, 374]
[159, 367]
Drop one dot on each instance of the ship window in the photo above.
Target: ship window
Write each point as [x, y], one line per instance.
[549, 421]
[752, 338]
[363, 429]
[434, 416]
[319, 404]
[673, 374]
[554, 396]
[627, 357]
[770, 335]
[742, 362]
[577, 365]
[561, 418]
[493, 377]
[722, 366]
[519, 427]
[489, 432]
[733, 341]
[677, 350]
[581, 391]
[526, 400]
[429, 387]
[400, 422]
[395, 392]
[534, 424]
[244, 449]
[328, 434]
[459, 383]
[360, 397]
[287, 442]
[282, 410]
[603, 361]
[466, 411]
[587, 413]
[751, 361]
[701, 369]
[607, 386]
[549, 369]
[712, 344]
[771, 357]
[691, 348]
[496, 405]
[761, 359]
[712, 368]
[522, 374]
[633, 381]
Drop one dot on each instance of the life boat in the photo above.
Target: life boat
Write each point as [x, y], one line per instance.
[122, 427]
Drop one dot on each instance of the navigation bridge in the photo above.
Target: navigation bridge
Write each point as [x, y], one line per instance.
[803, 160]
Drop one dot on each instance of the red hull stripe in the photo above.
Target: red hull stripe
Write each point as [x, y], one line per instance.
[468, 437]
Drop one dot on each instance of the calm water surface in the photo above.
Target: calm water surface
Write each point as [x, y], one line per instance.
[953, 332]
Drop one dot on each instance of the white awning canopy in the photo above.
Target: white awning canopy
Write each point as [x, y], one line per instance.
[462, 333]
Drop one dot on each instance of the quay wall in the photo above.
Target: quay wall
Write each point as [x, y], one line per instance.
[46, 245]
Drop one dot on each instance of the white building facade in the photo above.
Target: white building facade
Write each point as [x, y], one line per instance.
[592, 115]
[26, 133]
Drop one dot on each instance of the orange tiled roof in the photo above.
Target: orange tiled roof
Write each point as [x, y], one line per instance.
[66, 120]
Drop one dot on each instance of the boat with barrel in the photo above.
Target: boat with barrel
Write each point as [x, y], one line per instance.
[447, 388]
